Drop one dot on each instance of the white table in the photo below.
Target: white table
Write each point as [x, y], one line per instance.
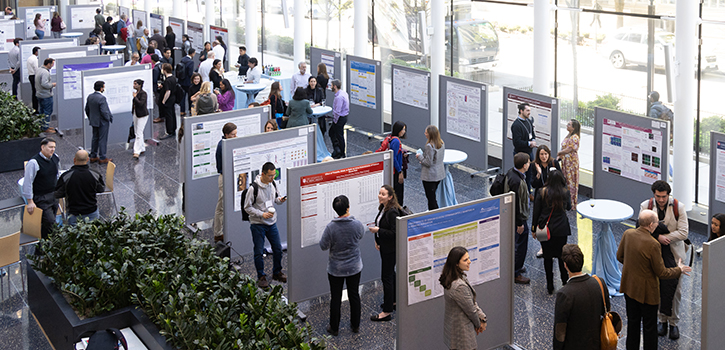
[114, 48]
[322, 150]
[604, 259]
[71, 35]
[446, 193]
[250, 90]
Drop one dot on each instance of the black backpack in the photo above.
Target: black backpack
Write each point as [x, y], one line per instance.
[114, 27]
[179, 94]
[498, 185]
[245, 215]
[105, 340]
[180, 71]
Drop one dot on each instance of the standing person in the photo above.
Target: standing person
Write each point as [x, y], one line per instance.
[205, 51]
[170, 37]
[41, 174]
[147, 58]
[167, 100]
[79, 186]
[206, 66]
[385, 237]
[229, 131]
[56, 25]
[672, 230]
[516, 181]
[44, 91]
[185, 44]
[187, 66]
[431, 160]
[206, 102]
[569, 157]
[641, 257]
[32, 65]
[543, 163]
[276, 102]
[166, 57]
[340, 110]
[259, 204]
[14, 64]
[100, 118]
[122, 30]
[194, 92]
[316, 95]
[99, 19]
[143, 41]
[108, 31]
[224, 46]
[342, 237]
[463, 319]
[300, 78]
[254, 74]
[579, 306]
[160, 40]
[157, 78]
[39, 26]
[322, 77]
[299, 109]
[217, 73]
[138, 34]
[133, 61]
[243, 61]
[400, 159]
[523, 136]
[550, 206]
[140, 117]
[658, 110]
[225, 96]
[219, 51]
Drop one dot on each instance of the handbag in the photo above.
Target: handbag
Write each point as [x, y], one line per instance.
[62, 25]
[543, 234]
[611, 324]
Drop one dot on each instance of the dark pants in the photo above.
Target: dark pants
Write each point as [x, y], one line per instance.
[32, 87]
[99, 142]
[49, 205]
[168, 112]
[337, 136]
[259, 231]
[182, 105]
[552, 249]
[336, 299]
[322, 123]
[397, 186]
[430, 188]
[387, 275]
[522, 246]
[646, 315]
[531, 173]
[16, 81]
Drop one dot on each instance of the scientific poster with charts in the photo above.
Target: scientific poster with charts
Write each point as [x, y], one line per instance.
[476, 227]
[631, 151]
[119, 88]
[7, 34]
[69, 54]
[360, 184]
[410, 88]
[720, 178]
[44, 12]
[27, 49]
[195, 31]
[329, 61]
[205, 137]
[72, 82]
[362, 84]
[82, 17]
[463, 111]
[156, 22]
[540, 111]
[283, 154]
[139, 15]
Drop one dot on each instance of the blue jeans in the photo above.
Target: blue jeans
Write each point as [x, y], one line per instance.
[522, 246]
[40, 33]
[45, 106]
[73, 219]
[259, 231]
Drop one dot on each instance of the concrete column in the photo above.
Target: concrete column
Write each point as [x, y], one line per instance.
[250, 25]
[147, 8]
[361, 28]
[177, 11]
[209, 19]
[542, 47]
[686, 19]
[62, 9]
[299, 25]
[438, 51]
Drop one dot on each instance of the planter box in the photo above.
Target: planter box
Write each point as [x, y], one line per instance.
[16, 152]
[63, 327]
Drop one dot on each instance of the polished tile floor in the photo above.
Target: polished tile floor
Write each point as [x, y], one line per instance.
[152, 183]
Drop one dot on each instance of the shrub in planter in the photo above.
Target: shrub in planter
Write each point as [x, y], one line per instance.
[192, 295]
[17, 120]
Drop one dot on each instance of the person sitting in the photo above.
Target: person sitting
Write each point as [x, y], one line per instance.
[298, 109]
[206, 102]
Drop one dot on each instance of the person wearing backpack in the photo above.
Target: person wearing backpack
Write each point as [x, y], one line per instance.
[400, 159]
[184, 69]
[229, 131]
[658, 110]
[385, 236]
[516, 182]
[259, 204]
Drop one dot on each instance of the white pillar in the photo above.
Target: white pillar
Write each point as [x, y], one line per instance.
[62, 10]
[686, 19]
[438, 51]
[177, 11]
[299, 25]
[147, 8]
[208, 19]
[361, 27]
[542, 46]
[250, 25]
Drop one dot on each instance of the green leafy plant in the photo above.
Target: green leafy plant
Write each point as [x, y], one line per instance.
[17, 121]
[711, 123]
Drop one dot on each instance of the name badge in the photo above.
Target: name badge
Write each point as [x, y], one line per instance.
[531, 136]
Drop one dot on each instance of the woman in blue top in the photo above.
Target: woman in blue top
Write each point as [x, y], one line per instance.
[399, 129]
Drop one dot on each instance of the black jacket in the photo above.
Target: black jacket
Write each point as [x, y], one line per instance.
[386, 236]
[577, 314]
[108, 31]
[188, 64]
[160, 41]
[80, 185]
[243, 61]
[170, 40]
[316, 95]
[277, 105]
[520, 134]
[515, 179]
[537, 183]
[559, 222]
[139, 104]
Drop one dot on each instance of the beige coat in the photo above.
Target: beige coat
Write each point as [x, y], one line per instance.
[679, 229]
[462, 316]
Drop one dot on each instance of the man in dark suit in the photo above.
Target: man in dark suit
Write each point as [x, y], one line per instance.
[188, 63]
[524, 137]
[100, 118]
[159, 39]
[579, 305]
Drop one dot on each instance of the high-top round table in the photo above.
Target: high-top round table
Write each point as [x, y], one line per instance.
[250, 90]
[446, 193]
[71, 35]
[114, 48]
[317, 112]
[604, 259]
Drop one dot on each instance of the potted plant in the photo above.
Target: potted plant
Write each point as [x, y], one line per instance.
[19, 132]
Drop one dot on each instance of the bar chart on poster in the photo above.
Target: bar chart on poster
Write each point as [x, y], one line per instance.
[206, 135]
[362, 84]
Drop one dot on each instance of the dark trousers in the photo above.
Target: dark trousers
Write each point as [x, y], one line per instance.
[32, 88]
[430, 188]
[16, 81]
[397, 186]
[336, 299]
[531, 173]
[522, 246]
[259, 231]
[387, 275]
[49, 205]
[322, 123]
[168, 112]
[182, 105]
[337, 136]
[646, 315]
[552, 249]
[99, 142]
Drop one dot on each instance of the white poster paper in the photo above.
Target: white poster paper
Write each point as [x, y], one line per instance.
[44, 12]
[82, 17]
[410, 88]
[329, 61]
[720, 173]
[178, 28]
[69, 54]
[119, 88]
[72, 81]
[631, 151]
[362, 84]
[26, 49]
[195, 31]
[463, 111]
[139, 15]
[156, 22]
[205, 138]
[7, 34]
[540, 112]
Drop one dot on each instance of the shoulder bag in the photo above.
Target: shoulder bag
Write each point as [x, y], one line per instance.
[543, 234]
[611, 324]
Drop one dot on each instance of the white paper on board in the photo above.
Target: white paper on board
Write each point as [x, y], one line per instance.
[205, 138]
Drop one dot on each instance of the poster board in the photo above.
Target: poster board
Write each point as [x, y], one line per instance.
[82, 17]
[630, 151]
[122, 10]
[716, 201]
[224, 33]
[408, 84]
[28, 14]
[713, 305]
[156, 22]
[365, 88]
[179, 27]
[7, 34]
[333, 61]
[310, 192]
[195, 31]
[66, 52]
[139, 15]
[544, 110]
[463, 111]
[485, 228]
[243, 157]
[26, 49]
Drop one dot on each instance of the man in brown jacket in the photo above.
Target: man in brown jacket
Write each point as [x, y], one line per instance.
[641, 257]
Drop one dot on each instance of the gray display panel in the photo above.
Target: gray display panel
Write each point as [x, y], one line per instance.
[416, 117]
[307, 266]
[28, 15]
[542, 107]
[205, 190]
[66, 52]
[463, 127]
[333, 61]
[80, 19]
[156, 21]
[279, 147]
[366, 111]
[606, 180]
[717, 178]
[421, 324]
[122, 10]
[139, 15]
[26, 49]
[179, 27]
[196, 35]
[713, 304]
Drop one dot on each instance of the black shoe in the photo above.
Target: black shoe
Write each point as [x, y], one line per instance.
[550, 289]
[329, 330]
[674, 333]
[661, 329]
[523, 269]
[356, 329]
[377, 318]
[167, 136]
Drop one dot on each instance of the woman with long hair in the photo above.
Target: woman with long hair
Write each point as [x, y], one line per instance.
[299, 109]
[225, 95]
[217, 73]
[204, 51]
[399, 159]
[384, 231]
[194, 91]
[39, 26]
[432, 170]
[140, 117]
[206, 101]
[322, 78]
[543, 164]
[569, 158]
[270, 125]
[716, 231]
[56, 24]
[276, 102]
[550, 207]
[170, 37]
[315, 94]
[138, 34]
[463, 318]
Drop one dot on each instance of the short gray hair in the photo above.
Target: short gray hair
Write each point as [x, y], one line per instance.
[336, 83]
[647, 217]
[301, 63]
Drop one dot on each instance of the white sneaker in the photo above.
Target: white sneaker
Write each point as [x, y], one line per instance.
[540, 253]
[699, 251]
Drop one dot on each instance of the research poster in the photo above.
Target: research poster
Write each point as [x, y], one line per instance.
[476, 227]
[360, 184]
[69, 54]
[72, 82]
[284, 154]
[720, 166]
[631, 151]
[125, 11]
[206, 135]
[156, 22]
[178, 27]
[139, 15]
[119, 88]
[540, 111]
[82, 17]
[463, 110]
[44, 12]
[362, 84]
[27, 49]
[195, 31]
[329, 61]
[7, 34]
[410, 88]
[224, 33]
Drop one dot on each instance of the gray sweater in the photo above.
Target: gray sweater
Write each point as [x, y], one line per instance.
[342, 237]
[431, 162]
[43, 83]
[265, 198]
[298, 112]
